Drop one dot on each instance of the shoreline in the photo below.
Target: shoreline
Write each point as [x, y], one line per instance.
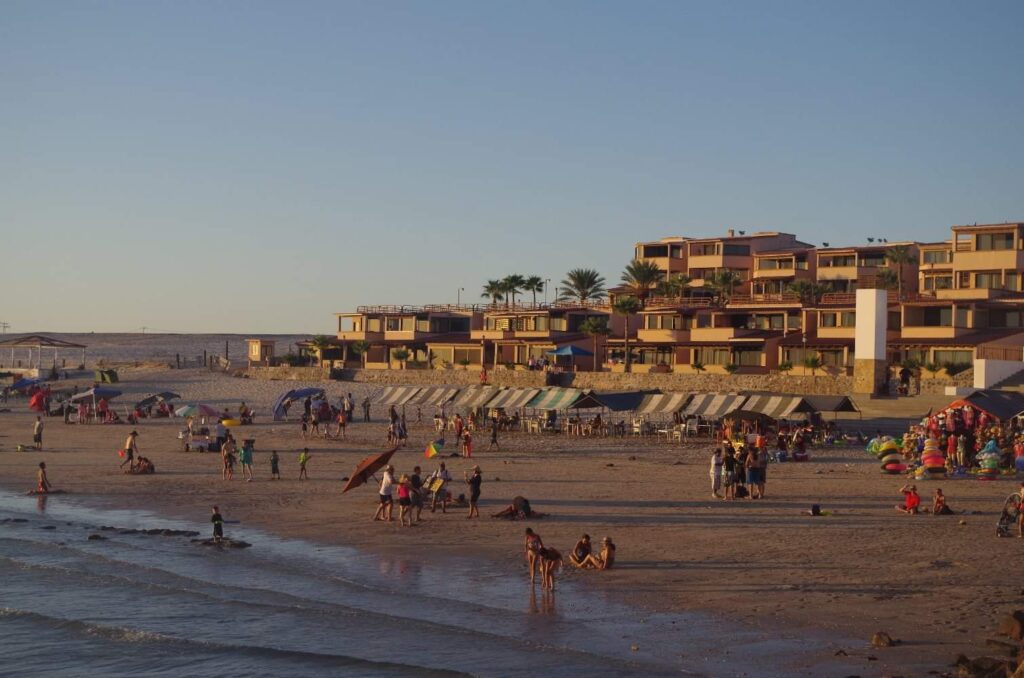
[763, 564]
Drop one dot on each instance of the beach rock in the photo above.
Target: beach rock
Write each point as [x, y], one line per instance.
[984, 667]
[634, 648]
[14, 520]
[223, 543]
[48, 527]
[882, 639]
[1012, 625]
[97, 537]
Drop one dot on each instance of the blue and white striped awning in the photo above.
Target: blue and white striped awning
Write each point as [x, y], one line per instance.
[475, 396]
[775, 406]
[396, 395]
[513, 398]
[556, 399]
[713, 405]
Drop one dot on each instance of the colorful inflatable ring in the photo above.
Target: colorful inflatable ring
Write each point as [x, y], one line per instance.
[231, 422]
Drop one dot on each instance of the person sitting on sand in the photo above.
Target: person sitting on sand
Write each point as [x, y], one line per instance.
[580, 551]
[939, 506]
[605, 560]
[519, 509]
[42, 483]
[911, 500]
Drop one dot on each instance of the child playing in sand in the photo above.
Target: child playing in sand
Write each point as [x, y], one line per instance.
[275, 471]
[303, 460]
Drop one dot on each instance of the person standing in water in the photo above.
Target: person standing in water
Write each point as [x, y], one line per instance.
[43, 483]
[218, 524]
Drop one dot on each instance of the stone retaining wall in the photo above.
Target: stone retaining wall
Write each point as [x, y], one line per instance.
[710, 383]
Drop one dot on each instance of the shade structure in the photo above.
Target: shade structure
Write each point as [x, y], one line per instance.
[513, 398]
[475, 396]
[197, 410]
[750, 415]
[776, 406]
[367, 467]
[155, 398]
[571, 350]
[98, 393]
[295, 394]
[713, 405]
[434, 396]
[397, 395]
[831, 403]
[999, 405]
[663, 403]
[616, 401]
[556, 399]
[26, 382]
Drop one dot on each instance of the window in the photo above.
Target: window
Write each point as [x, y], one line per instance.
[558, 325]
[714, 356]
[801, 264]
[875, 260]
[831, 357]
[1012, 281]
[470, 354]
[938, 317]
[373, 324]
[961, 317]
[655, 356]
[499, 324]
[770, 264]
[1003, 319]
[839, 260]
[796, 321]
[988, 281]
[936, 257]
[748, 357]
[849, 318]
[736, 250]
[707, 249]
[965, 280]
[993, 241]
[704, 320]
[943, 357]
[938, 282]
[829, 320]
[676, 252]
[797, 355]
[894, 320]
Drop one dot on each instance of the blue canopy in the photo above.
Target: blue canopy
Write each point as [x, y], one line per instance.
[570, 349]
[25, 382]
[295, 394]
[98, 393]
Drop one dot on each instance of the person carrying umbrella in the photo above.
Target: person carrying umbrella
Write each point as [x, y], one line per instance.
[386, 488]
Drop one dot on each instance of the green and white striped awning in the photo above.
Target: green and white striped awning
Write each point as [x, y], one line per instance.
[713, 405]
[663, 403]
[513, 398]
[556, 399]
[396, 395]
[775, 406]
[475, 396]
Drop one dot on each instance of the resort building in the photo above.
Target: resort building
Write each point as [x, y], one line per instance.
[949, 302]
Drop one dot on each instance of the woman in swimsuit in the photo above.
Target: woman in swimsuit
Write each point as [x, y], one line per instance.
[533, 547]
[581, 551]
[939, 506]
[606, 559]
[43, 484]
[550, 560]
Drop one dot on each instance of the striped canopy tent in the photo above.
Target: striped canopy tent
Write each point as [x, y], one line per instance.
[557, 398]
[513, 398]
[616, 401]
[396, 395]
[663, 403]
[831, 403]
[776, 406]
[434, 396]
[713, 405]
[475, 396]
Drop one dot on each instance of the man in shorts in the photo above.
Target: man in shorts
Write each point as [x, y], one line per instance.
[387, 485]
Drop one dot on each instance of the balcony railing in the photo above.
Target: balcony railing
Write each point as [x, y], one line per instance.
[780, 298]
[1000, 352]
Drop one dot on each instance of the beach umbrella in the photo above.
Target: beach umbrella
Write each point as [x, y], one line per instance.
[571, 351]
[433, 448]
[163, 396]
[37, 402]
[367, 467]
[197, 410]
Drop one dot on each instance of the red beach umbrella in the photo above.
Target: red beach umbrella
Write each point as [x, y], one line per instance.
[367, 467]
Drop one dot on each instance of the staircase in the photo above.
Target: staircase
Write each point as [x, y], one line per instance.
[1014, 382]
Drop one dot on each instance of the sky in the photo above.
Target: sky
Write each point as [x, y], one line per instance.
[258, 167]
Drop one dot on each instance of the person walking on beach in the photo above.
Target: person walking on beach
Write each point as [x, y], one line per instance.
[716, 472]
[303, 460]
[533, 546]
[386, 505]
[227, 455]
[307, 407]
[275, 471]
[218, 524]
[366, 408]
[42, 482]
[493, 445]
[221, 433]
[474, 482]
[305, 425]
[342, 423]
[416, 483]
[404, 500]
[245, 457]
[439, 480]
[729, 473]
[467, 444]
[348, 406]
[37, 434]
[131, 449]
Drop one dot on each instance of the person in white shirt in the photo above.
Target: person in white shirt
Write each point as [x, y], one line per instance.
[386, 487]
[716, 473]
[437, 483]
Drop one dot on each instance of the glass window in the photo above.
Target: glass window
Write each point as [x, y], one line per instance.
[938, 317]
[714, 356]
[706, 249]
[737, 250]
[831, 357]
[988, 281]
[829, 320]
[1012, 281]
[373, 324]
[849, 318]
[936, 256]
[872, 260]
[748, 357]
[943, 357]
[994, 241]
[652, 251]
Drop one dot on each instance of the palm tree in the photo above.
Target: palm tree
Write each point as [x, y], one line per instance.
[582, 284]
[360, 348]
[595, 326]
[808, 291]
[401, 355]
[813, 363]
[494, 290]
[626, 306]
[513, 285]
[321, 343]
[726, 282]
[676, 285]
[533, 284]
[641, 276]
[899, 255]
[887, 279]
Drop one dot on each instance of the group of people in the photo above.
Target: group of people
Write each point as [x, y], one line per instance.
[316, 421]
[912, 502]
[413, 490]
[739, 474]
[546, 560]
[964, 432]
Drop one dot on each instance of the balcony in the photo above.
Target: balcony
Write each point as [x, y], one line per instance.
[986, 260]
[662, 336]
[933, 332]
[785, 298]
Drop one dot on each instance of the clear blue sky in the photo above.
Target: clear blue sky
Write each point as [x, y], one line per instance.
[256, 167]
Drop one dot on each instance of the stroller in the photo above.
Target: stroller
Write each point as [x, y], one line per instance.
[1009, 515]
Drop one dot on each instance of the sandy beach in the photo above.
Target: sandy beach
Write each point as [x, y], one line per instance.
[927, 581]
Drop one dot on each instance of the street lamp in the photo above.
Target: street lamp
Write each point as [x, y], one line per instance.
[547, 281]
[458, 296]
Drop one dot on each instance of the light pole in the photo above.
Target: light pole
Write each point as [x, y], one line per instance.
[547, 281]
[458, 296]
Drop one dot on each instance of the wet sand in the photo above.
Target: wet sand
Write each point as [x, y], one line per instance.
[925, 580]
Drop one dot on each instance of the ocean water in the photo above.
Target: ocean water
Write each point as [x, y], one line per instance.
[141, 604]
[151, 346]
